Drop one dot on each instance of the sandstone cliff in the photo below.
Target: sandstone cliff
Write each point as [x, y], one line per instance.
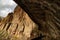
[17, 26]
[45, 13]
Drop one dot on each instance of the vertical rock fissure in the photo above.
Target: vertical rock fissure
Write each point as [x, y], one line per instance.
[4, 26]
[8, 26]
[16, 29]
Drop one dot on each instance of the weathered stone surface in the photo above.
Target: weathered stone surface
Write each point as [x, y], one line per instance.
[17, 26]
[45, 13]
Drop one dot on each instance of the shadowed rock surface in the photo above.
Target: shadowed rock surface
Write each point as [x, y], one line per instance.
[19, 26]
[45, 13]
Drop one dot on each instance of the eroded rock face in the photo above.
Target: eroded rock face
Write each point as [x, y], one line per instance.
[17, 26]
[45, 13]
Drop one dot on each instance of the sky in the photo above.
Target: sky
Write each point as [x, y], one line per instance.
[6, 6]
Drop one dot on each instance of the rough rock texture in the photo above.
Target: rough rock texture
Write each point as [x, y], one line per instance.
[17, 26]
[45, 13]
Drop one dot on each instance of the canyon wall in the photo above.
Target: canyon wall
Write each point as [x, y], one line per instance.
[19, 26]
